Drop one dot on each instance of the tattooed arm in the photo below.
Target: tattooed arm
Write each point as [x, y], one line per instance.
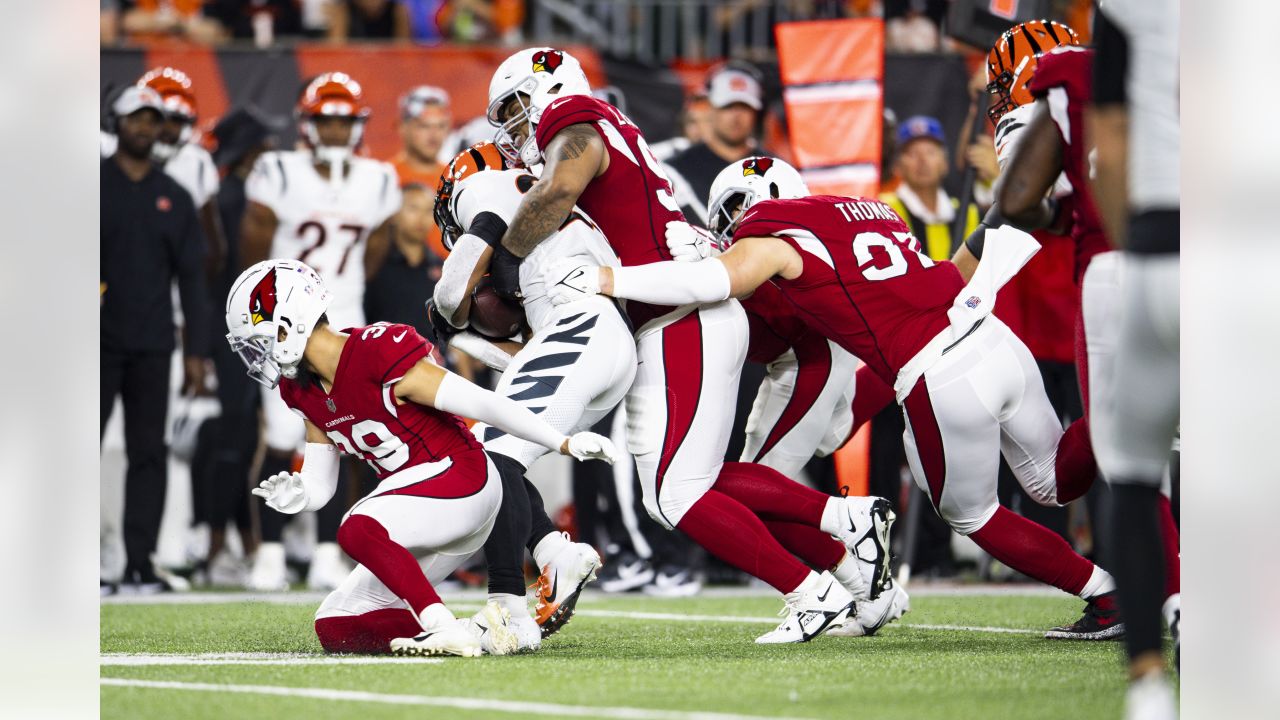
[575, 157]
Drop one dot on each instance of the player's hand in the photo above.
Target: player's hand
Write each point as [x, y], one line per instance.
[982, 156]
[195, 371]
[439, 330]
[569, 280]
[283, 492]
[589, 446]
[688, 243]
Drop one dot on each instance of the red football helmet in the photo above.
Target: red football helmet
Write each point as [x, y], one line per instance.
[1013, 59]
[332, 94]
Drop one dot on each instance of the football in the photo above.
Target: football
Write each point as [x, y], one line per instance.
[493, 315]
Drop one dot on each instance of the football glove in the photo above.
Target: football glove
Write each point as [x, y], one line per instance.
[590, 446]
[439, 330]
[283, 492]
[569, 280]
[688, 243]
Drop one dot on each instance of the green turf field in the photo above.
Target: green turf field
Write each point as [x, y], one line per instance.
[621, 657]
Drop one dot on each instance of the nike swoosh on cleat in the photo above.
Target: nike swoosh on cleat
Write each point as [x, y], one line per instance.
[825, 593]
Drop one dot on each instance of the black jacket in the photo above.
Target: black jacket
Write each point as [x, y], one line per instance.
[150, 236]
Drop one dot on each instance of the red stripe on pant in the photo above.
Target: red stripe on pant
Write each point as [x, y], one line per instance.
[682, 366]
[924, 428]
[813, 357]
[464, 478]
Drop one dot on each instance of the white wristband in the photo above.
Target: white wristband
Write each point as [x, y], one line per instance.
[319, 474]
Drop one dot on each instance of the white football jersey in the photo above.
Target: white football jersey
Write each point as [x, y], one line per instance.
[500, 193]
[324, 223]
[192, 167]
[1009, 133]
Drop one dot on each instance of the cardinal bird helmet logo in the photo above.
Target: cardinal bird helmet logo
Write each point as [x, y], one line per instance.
[756, 166]
[547, 60]
[262, 301]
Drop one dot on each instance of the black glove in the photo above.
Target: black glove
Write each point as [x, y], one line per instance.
[439, 330]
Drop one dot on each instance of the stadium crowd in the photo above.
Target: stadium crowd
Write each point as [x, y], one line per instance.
[190, 201]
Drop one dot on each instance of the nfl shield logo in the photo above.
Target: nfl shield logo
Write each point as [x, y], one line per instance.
[972, 303]
[329, 403]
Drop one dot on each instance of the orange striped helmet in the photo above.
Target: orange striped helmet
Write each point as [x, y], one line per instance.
[477, 158]
[1012, 61]
[334, 94]
[175, 90]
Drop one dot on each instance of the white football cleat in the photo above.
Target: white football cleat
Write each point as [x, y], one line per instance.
[456, 637]
[269, 572]
[493, 626]
[811, 613]
[561, 583]
[865, 532]
[875, 614]
[328, 568]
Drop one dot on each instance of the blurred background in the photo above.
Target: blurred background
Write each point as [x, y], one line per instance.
[866, 97]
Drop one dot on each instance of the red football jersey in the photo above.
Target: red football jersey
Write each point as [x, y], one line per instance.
[360, 414]
[632, 201]
[774, 323]
[865, 283]
[1064, 79]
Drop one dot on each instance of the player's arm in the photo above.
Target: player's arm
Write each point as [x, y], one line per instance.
[311, 488]
[466, 264]
[257, 228]
[431, 385]
[376, 249]
[215, 239]
[575, 157]
[1033, 167]
[496, 355]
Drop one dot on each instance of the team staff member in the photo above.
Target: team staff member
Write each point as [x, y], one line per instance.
[150, 235]
[919, 198]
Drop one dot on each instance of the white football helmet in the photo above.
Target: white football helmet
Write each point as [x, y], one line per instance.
[271, 311]
[533, 78]
[745, 183]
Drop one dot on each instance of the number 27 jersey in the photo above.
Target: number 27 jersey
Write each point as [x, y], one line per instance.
[321, 223]
[865, 284]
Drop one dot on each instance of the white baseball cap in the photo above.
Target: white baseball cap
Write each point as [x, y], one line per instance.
[731, 86]
[419, 98]
[136, 98]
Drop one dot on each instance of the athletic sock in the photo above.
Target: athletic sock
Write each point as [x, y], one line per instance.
[815, 547]
[1034, 551]
[848, 574]
[435, 616]
[514, 604]
[734, 534]
[1100, 583]
[504, 549]
[770, 494]
[548, 547]
[1172, 549]
[1137, 562]
[368, 543]
[1075, 468]
[810, 582]
[833, 516]
[370, 632]
[540, 523]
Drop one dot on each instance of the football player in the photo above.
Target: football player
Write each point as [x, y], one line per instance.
[375, 394]
[182, 157]
[330, 209]
[689, 356]
[575, 367]
[968, 387]
[1045, 182]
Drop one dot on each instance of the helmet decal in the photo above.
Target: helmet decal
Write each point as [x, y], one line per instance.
[262, 301]
[756, 166]
[547, 60]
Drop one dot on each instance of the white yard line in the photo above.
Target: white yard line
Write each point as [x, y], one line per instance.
[232, 658]
[460, 703]
[307, 596]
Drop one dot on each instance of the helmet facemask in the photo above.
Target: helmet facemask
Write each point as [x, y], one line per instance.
[515, 135]
[255, 353]
[726, 212]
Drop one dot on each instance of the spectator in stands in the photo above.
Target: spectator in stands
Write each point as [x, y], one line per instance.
[913, 26]
[926, 207]
[694, 123]
[150, 237]
[368, 20]
[479, 20]
[736, 98]
[425, 123]
[259, 20]
[153, 19]
[407, 279]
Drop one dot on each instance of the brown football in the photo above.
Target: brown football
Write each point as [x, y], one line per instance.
[493, 315]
